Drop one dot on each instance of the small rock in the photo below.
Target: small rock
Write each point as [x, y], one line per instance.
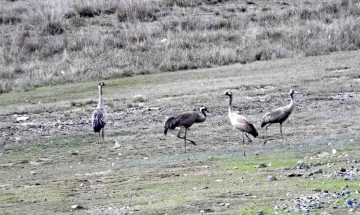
[227, 205]
[271, 178]
[342, 169]
[75, 153]
[319, 171]
[349, 202]
[345, 192]
[22, 118]
[302, 165]
[334, 151]
[77, 207]
[117, 145]
[315, 164]
[294, 175]
[260, 213]
[261, 166]
[207, 210]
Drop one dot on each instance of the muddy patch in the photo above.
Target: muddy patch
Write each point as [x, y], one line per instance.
[338, 69]
[345, 96]
[174, 172]
[254, 87]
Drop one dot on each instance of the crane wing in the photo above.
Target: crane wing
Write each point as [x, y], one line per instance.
[98, 119]
[243, 124]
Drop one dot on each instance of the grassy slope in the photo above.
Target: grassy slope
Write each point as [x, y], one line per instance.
[150, 174]
[61, 41]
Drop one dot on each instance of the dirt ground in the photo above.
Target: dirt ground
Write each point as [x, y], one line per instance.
[52, 163]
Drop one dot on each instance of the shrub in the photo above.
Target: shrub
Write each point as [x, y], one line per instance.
[9, 17]
[141, 10]
[86, 10]
[53, 28]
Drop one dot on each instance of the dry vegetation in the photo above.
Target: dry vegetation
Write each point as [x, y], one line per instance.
[51, 42]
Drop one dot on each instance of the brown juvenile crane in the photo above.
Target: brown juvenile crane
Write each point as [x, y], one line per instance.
[279, 115]
[185, 120]
[240, 122]
[99, 115]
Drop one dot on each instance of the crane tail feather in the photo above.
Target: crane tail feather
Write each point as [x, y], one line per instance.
[98, 124]
[263, 123]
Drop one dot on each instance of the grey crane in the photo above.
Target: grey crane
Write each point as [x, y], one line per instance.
[99, 115]
[185, 120]
[240, 122]
[279, 115]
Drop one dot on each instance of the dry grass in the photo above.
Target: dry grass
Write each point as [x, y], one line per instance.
[62, 41]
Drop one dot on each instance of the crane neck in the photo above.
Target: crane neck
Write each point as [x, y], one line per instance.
[230, 104]
[292, 102]
[101, 102]
[203, 112]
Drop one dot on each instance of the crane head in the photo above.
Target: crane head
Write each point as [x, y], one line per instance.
[203, 108]
[228, 93]
[101, 84]
[292, 92]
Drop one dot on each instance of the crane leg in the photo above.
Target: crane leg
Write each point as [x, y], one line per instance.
[266, 136]
[281, 131]
[248, 137]
[184, 138]
[242, 134]
[102, 134]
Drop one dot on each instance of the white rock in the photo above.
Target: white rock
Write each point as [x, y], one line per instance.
[334, 151]
[76, 207]
[22, 118]
[117, 145]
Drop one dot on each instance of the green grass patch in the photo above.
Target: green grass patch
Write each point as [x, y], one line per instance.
[9, 197]
[250, 163]
[121, 133]
[332, 185]
[255, 209]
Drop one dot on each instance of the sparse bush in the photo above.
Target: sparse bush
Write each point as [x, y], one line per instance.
[31, 46]
[162, 35]
[138, 99]
[9, 17]
[128, 72]
[86, 10]
[191, 3]
[5, 87]
[141, 10]
[53, 28]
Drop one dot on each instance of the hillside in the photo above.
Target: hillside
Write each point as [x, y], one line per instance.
[53, 42]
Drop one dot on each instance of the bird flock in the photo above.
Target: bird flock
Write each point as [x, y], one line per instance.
[187, 119]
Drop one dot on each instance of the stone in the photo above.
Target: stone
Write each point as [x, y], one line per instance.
[271, 178]
[117, 145]
[77, 207]
[22, 118]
